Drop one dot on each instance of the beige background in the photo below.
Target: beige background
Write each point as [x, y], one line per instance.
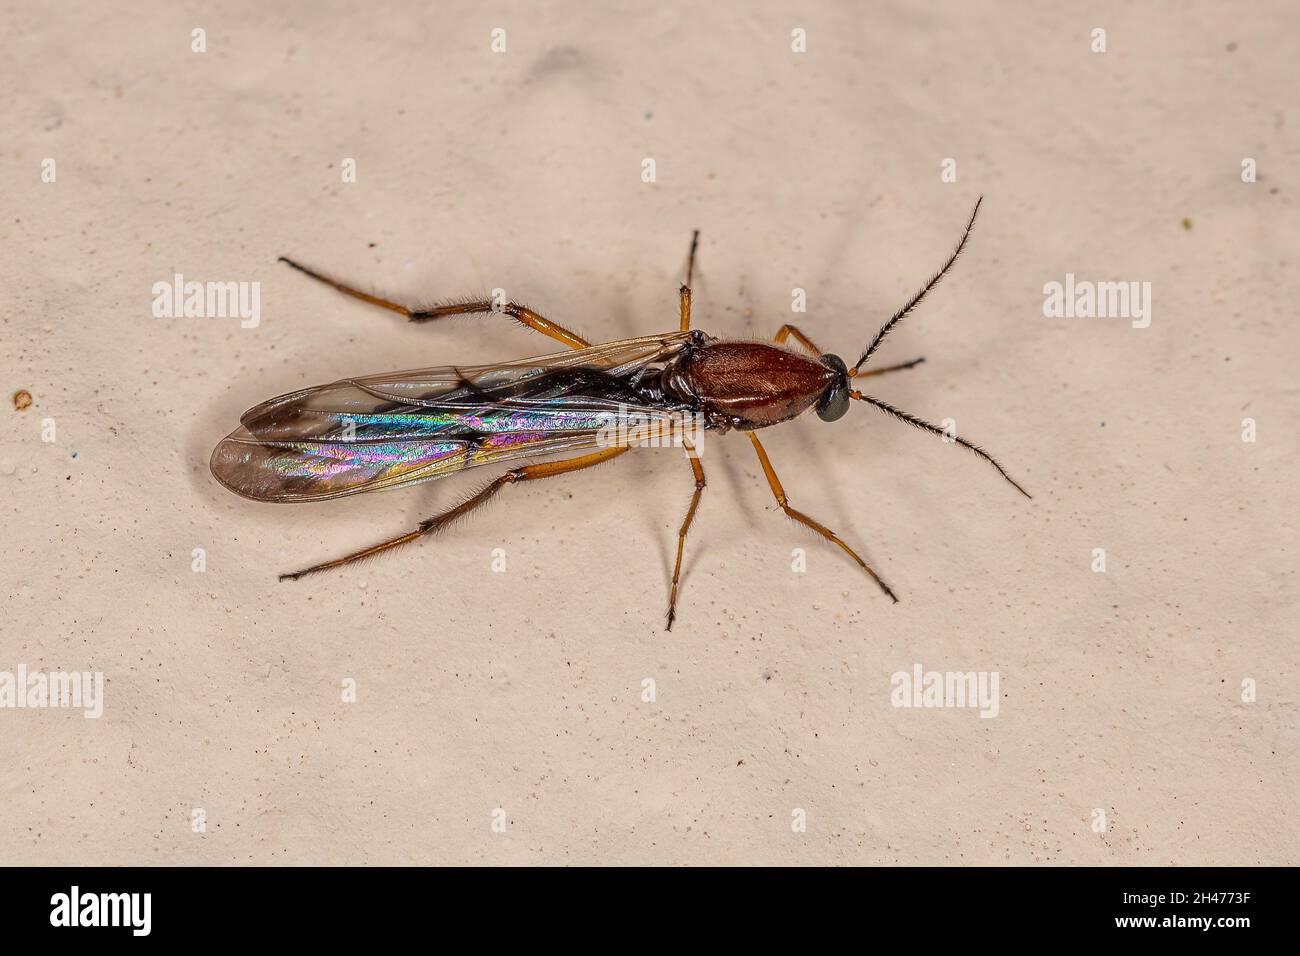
[522, 690]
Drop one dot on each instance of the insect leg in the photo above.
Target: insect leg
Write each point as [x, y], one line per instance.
[440, 521]
[808, 522]
[684, 293]
[788, 330]
[698, 469]
[521, 314]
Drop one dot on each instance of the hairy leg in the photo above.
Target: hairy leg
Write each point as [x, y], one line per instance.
[808, 522]
[521, 314]
[440, 521]
[698, 471]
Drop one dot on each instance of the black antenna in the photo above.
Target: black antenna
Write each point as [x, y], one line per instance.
[916, 299]
[936, 430]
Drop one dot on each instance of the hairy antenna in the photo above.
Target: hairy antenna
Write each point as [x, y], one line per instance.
[936, 430]
[916, 299]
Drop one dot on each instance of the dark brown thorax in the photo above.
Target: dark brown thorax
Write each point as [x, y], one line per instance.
[748, 384]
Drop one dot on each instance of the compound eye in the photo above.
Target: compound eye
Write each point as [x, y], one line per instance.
[835, 364]
[834, 401]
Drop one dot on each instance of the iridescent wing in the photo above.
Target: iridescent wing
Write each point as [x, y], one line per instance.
[401, 428]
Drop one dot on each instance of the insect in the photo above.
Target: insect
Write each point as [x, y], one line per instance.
[402, 428]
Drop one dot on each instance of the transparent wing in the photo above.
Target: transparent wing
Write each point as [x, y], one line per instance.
[400, 428]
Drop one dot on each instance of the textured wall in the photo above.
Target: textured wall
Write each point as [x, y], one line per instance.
[1120, 693]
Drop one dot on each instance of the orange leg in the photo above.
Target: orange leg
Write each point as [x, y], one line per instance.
[788, 330]
[438, 522]
[808, 522]
[521, 314]
[684, 293]
[698, 469]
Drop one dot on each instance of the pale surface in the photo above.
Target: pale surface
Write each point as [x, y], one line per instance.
[523, 690]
